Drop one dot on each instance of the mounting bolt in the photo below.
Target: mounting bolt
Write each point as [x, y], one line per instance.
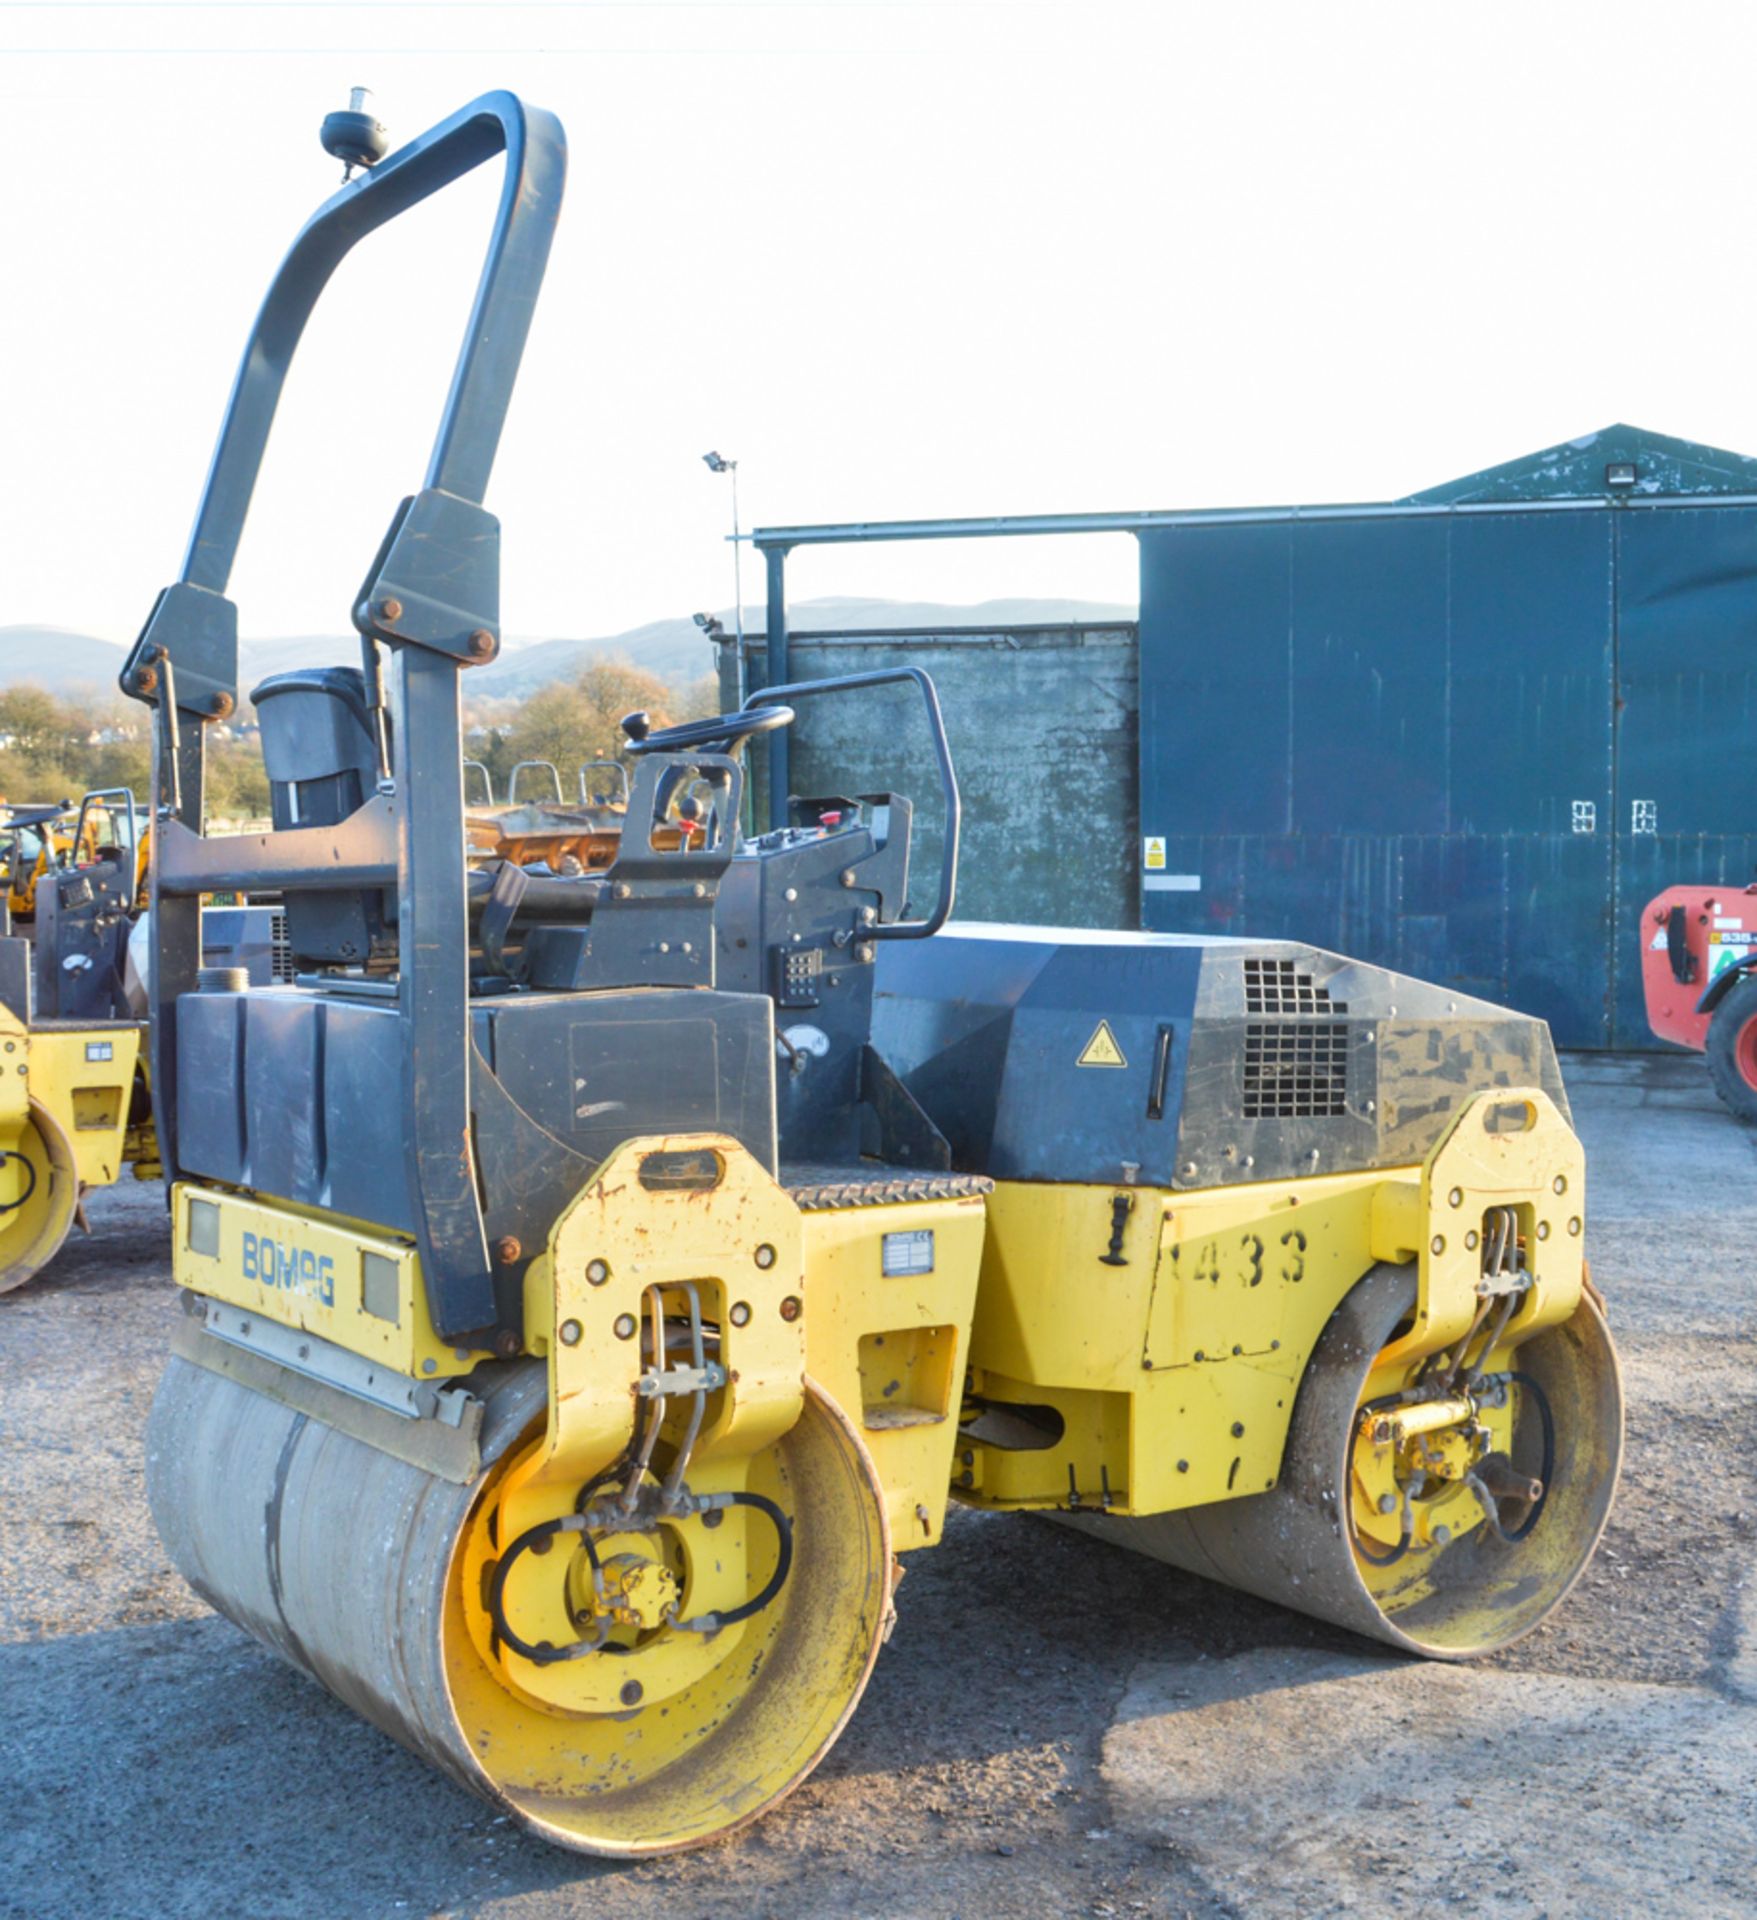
[570, 1333]
[847, 876]
[765, 1256]
[1456, 1197]
[482, 644]
[223, 704]
[1238, 1429]
[740, 1314]
[622, 890]
[597, 1272]
[624, 1326]
[1438, 1243]
[863, 953]
[390, 609]
[507, 1344]
[507, 1249]
[631, 1693]
[791, 1307]
[1183, 1466]
[146, 680]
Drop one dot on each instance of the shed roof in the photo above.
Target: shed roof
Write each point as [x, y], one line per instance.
[1575, 470]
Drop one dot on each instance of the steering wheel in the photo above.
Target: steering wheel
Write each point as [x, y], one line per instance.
[723, 733]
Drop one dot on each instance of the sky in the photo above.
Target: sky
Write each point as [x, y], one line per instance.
[899, 261]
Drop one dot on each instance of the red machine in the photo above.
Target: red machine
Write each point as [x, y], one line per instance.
[1699, 975]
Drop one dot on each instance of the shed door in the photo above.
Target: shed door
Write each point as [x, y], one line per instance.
[1686, 791]
[1392, 738]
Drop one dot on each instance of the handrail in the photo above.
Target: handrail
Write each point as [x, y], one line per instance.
[487, 782]
[538, 766]
[107, 793]
[616, 767]
[942, 753]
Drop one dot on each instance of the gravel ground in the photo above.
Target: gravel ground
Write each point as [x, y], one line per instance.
[1054, 1728]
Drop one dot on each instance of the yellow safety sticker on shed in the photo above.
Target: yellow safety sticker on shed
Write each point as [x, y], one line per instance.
[1102, 1050]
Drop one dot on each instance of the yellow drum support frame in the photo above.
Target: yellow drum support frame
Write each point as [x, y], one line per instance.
[1219, 1389]
[403, 1590]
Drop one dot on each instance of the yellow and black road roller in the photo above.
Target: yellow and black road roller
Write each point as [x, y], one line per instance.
[73, 1101]
[75, 1108]
[596, 1282]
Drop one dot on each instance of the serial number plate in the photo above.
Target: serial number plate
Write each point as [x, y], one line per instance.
[910, 1252]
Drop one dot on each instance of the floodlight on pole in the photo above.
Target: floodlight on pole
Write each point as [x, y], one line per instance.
[718, 463]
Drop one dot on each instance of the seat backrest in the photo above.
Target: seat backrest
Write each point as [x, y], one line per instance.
[322, 762]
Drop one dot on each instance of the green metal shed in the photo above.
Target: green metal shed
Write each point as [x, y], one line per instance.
[1468, 734]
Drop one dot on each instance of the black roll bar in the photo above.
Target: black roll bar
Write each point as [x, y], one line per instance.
[432, 598]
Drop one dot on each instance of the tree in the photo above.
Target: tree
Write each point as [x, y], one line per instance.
[59, 748]
[33, 718]
[571, 722]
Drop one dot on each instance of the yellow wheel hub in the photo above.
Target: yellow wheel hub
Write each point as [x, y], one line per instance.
[554, 1597]
[643, 1593]
[1412, 1489]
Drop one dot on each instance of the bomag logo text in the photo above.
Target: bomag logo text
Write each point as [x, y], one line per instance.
[293, 1269]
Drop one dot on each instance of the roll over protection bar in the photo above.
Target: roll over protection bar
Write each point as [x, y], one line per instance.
[431, 596]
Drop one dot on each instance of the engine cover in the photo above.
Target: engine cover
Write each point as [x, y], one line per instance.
[1175, 1060]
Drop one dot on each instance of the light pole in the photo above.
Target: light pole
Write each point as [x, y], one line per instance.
[717, 463]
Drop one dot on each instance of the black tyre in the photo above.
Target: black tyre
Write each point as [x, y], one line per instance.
[1732, 1050]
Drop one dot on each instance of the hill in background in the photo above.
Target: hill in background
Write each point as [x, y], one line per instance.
[674, 649]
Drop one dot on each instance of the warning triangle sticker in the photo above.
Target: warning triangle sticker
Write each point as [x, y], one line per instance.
[1102, 1050]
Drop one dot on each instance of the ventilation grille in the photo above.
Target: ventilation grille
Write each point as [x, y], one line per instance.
[281, 968]
[1277, 986]
[1296, 1072]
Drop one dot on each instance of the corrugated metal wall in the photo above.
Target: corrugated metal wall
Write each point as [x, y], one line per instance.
[1466, 747]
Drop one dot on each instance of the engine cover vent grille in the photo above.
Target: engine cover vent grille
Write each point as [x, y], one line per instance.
[281, 965]
[1296, 1071]
[1278, 986]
